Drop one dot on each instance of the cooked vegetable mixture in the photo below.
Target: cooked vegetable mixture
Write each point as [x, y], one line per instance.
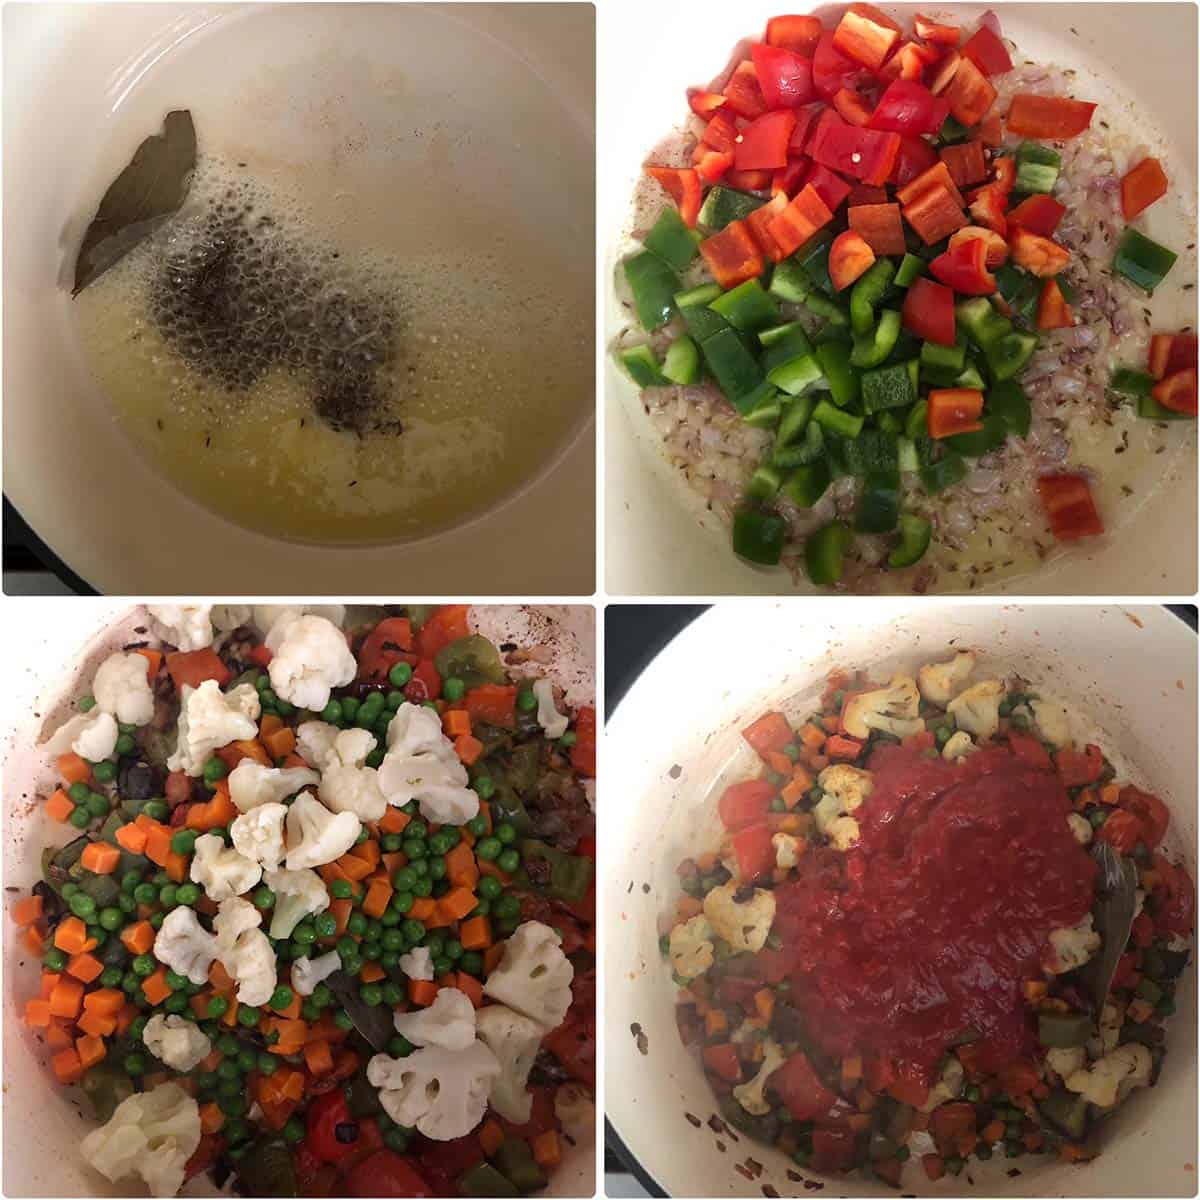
[327, 922]
[862, 261]
[937, 926]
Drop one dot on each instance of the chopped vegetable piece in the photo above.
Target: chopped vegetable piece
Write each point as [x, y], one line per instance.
[987, 52]
[964, 268]
[799, 33]
[759, 537]
[759, 222]
[733, 366]
[1141, 186]
[931, 31]
[849, 257]
[928, 312]
[1008, 401]
[1039, 256]
[803, 217]
[965, 163]
[868, 292]
[797, 375]
[866, 35]
[1038, 214]
[832, 189]
[888, 387]
[654, 285]
[742, 92]
[835, 420]
[953, 411]
[970, 94]
[843, 379]
[747, 307]
[934, 214]
[681, 364]
[1143, 261]
[643, 369]
[879, 504]
[1053, 311]
[871, 350]
[1037, 168]
[672, 240]
[732, 255]
[683, 186]
[910, 108]
[784, 76]
[764, 142]
[1069, 506]
[866, 154]
[1171, 352]
[880, 226]
[1051, 118]
[997, 247]
[807, 484]
[824, 551]
[1178, 392]
[915, 536]
[852, 107]
[789, 281]
[723, 205]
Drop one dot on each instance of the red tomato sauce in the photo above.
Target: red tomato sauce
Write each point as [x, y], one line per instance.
[925, 931]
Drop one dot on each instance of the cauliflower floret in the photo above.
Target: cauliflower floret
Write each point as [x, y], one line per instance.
[244, 951]
[448, 1022]
[183, 946]
[298, 894]
[177, 1042]
[553, 723]
[1072, 947]
[315, 836]
[417, 963]
[787, 850]
[743, 925]
[210, 719]
[310, 658]
[845, 789]
[948, 1087]
[1081, 828]
[151, 1134]
[443, 1093]
[534, 976]
[1066, 1060]
[228, 617]
[1114, 1076]
[92, 735]
[314, 741]
[347, 785]
[514, 1039]
[264, 617]
[258, 835]
[308, 972]
[187, 626]
[977, 710]
[252, 784]
[421, 764]
[690, 947]
[122, 687]
[1053, 721]
[222, 871]
[750, 1095]
[958, 745]
[941, 682]
[893, 709]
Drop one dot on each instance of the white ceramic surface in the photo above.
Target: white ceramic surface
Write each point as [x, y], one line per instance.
[50, 649]
[674, 742]
[68, 128]
[659, 539]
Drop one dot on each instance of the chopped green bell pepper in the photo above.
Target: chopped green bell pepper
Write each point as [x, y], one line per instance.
[952, 132]
[844, 380]
[789, 281]
[654, 285]
[907, 455]
[1007, 400]
[946, 472]
[981, 322]
[723, 205]
[868, 292]
[870, 349]
[704, 294]
[801, 453]
[782, 347]
[747, 307]
[1009, 355]
[910, 270]
[915, 536]
[681, 364]
[795, 420]
[824, 551]
[764, 483]
[766, 409]
[759, 536]
[1037, 168]
[917, 423]
[732, 365]
[941, 365]
[980, 441]
[836, 420]
[672, 240]
[813, 258]
[970, 378]
[887, 387]
[806, 485]
[1143, 261]
[824, 307]
[1125, 381]
[701, 322]
[873, 452]
[797, 375]
[483, 1180]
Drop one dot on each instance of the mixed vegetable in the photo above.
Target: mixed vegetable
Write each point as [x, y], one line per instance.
[327, 922]
[862, 258]
[937, 926]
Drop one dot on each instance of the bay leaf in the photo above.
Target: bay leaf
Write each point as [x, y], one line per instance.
[1112, 914]
[146, 193]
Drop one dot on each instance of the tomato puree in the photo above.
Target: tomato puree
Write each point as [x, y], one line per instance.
[922, 935]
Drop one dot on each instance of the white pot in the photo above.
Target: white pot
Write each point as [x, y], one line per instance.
[660, 539]
[674, 742]
[51, 650]
[69, 127]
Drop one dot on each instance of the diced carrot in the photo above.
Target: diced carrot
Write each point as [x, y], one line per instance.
[153, 661]
[458, 902]
[372, 972]
[475, 934]
[318, 1058]
[71, 935]
[422, 992]
[216, 814]
[158, 840]
[176, 867]
[60, 1034]
[154, 987]
[468, 749]
[491, 1137]
[35, 943]
[49, 980]
[139, 938]
[26, 910]
[125, 1019]
[470, 987]
[73, 768]
[354, 868]
[96, 1025]
[292, 1011]
[280, 743]
[104, 1002]
[67, 998]
[715, 1023]
[461, 870]
[270, 723]
[1110, 793]
[59, 806]
[423, 908]
[100, 858]
[341, 910]
[85, 967]
[547, 1152]
[131, 838]
[456, 722]
[378, 895]
[37, 1013]
[90, 1050]
[764, 1003]
[211, 1117]
[67, 1067]
[492, 955]
[394, 821]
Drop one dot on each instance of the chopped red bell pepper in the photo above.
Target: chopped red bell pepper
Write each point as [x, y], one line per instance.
[954, 410]
[1039, 214]
[1177, 392]
[1053, 311]
[1148, 808]
[852, 107]
[1069, 506]
[711, 165]
[997, 247]
[805, 215]
[1038, 255]
[801, 1089]
[756, 180]
[839, 746]
[966, 163]
[764, 142]
[913, 159]
[879, 225]
[865, 35]
[743, 93]
[745, 803]
[865, 154]
[832, 189]
[805, 118]
[704, 104]
[991, 132]
[797, 33]
[910, 108]
[964, 268]
[732, 255]
[788, 180]
[910, 62]
[754, 851]
[760, 220]
[1049, 117]
[832, 70]
[1006, 174]
[722, 1061]
[849, 257]
[938, 175]
[1171, 352]
[865, 193]
[721, 132]
[683, 185]
[943, 77]
[932, 31]
[1141, 187]
[1078, 770]
[970, 94]
[928, 311]
[1122, 831]
[987, 52]
[771, 733]
[987, 205]
[934, 214]
[784, 76]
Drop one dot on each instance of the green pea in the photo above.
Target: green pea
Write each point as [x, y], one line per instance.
[567, 740]
[393, 993]
[403, 879]
[357, 924]
[145, 893]
[375, 759]
[267, 696]
[391, 842]
[80, 818]
[394, 700]
[453, 949]
[247, 1015]
[483, 908]
[97, 805]
[233, 1106]
[304, 934]
[229, 1069]
[156, 810]
[415, 848]
[343, 1020]
[349, 708]
[184, 842]
[175, 981]
[268, 1064]
[105, 772]
[78, 793]
[346, 947]
[86, 703]
[135, 1064]
[507, 907]
[389, 959]
[167, 894]
[453, 689]
[156, 920]
[187, 893]
[471, 962]
[414, 931]
[441, 964]
[416, 828]
[390, 918]
[332, 712]
[392, 939]
[477, 826]
[126, 745]
[488, 848]
[322, 997]
[82, 905]
[400, 674]
[508, 861]
[130, 983]
[143, 965]
[437, 867]
[111, 919]
[127, 904]
[176, 1002]
[137, 1027]
[325, 924]
[111, 977]
[423, 887]
[489, 887]
[341, 889]
[218, 1006]
[130, 880]
[54, 959]
[526, 700]
[371, 994]
[237, 1130]
[281, 997]
[506, 833]
[484, 787]
[263, 897]
[294, 1130]
[69, 889]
